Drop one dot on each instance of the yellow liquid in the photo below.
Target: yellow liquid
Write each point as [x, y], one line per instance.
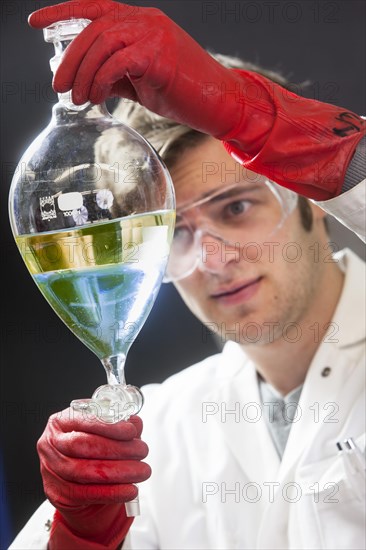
[102, 279]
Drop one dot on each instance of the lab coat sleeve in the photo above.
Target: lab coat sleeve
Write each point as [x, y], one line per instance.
[349, 208]
[35, 534]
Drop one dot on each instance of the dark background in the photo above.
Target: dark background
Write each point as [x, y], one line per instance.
[43, 366]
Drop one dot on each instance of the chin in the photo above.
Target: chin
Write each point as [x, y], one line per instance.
[247, 329]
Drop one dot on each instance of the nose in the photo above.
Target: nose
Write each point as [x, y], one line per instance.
[214, 252]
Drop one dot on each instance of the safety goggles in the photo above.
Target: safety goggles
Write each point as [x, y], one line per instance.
[229, 218]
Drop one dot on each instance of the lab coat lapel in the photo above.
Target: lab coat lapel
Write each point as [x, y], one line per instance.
[319, 405]
[244, 431]
[314, 434]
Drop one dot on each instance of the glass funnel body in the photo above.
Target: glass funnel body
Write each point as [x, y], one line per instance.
[92, 212]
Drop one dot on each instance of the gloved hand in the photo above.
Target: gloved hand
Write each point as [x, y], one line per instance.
[142, 55]
[88, 470]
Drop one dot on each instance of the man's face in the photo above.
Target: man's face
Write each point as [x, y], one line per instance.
[250, 296]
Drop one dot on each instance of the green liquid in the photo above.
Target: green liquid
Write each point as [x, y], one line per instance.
[102, 280]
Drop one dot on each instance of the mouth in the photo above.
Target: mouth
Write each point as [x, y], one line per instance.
[238, 293]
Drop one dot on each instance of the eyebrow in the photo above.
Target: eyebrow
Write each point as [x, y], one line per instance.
[234, 192]
[223, 195]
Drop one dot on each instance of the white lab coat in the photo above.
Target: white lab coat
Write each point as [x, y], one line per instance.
[217, 480]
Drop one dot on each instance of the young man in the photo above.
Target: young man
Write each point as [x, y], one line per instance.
[227, 470]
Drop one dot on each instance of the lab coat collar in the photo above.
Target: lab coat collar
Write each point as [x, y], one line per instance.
[232, 360]
[349, 320]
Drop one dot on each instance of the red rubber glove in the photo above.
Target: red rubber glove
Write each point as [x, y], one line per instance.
[142, 55]
[88, 470]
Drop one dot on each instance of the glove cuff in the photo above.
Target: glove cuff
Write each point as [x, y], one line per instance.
[255, 113]
[308, 145]
[62, 537]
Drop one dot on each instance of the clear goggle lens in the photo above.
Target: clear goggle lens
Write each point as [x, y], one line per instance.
[237, 215]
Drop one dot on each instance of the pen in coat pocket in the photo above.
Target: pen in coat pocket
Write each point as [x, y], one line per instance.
[354, 472]
[357, 457]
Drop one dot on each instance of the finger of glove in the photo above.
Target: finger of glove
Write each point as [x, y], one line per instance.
[96, 55]
[127, 61]
[94, 471]
[83, 9]
[69, 495]
[137, 422]
[90, 470]
[91, 446]
[69, 420]
[64, 78]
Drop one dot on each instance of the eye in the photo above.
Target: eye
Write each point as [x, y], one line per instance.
[236, 208]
